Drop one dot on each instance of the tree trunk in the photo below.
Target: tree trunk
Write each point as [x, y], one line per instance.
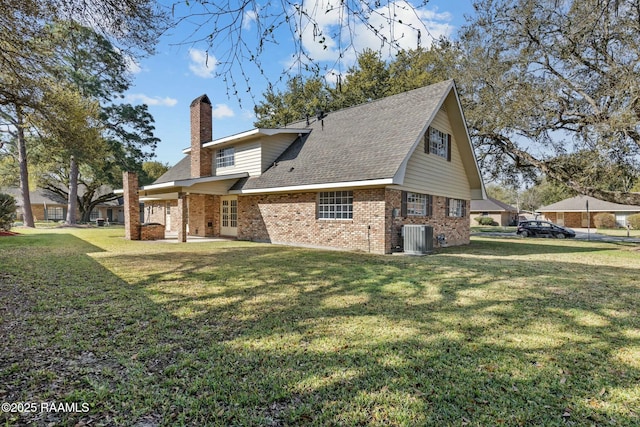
[72, 203]
[27, 213]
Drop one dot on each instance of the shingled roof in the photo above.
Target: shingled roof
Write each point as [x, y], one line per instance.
[579, 204]
[491, 205]
[366, 142]
[181, 170]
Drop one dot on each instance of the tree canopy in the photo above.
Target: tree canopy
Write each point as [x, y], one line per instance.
[553, 86]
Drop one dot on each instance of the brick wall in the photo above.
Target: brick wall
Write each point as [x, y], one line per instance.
[573, 219]
[456, 230]
[201, 215]
[291, 219]
[203, 210]
[152, 232]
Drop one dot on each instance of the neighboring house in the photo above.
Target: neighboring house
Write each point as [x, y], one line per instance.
[48, 206]
[349, 179]
[572, 212]
[501, 213]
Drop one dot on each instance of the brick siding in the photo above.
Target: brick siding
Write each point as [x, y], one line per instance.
[292, 219]
[455, 230]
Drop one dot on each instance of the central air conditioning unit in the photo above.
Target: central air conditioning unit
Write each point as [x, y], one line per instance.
[418, 239]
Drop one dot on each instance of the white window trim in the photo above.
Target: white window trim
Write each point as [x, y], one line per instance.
[225, 157]
[419, 199]
[438, 142]
[457, 208]
[335, 205]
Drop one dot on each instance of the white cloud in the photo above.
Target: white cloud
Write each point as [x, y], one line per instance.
[133, 66]
[332, 29]
[164, 102]
[202, 64]
[221, 111]
[250, 16]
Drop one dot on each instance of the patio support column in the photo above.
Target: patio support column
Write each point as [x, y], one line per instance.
[131, 206]
[182, 216]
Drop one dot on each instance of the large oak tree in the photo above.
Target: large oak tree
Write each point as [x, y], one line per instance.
[545, 82]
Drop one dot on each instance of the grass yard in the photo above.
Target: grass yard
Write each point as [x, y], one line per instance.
[501, 332]
[619, 232]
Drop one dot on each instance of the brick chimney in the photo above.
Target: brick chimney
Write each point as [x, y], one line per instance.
[201, 132]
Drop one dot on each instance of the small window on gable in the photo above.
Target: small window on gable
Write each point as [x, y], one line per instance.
[438, 143]
[225, 157]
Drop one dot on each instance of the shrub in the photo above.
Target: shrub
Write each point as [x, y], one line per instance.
[605, 220]
[7, 211]
[634, 221]
[485, 220]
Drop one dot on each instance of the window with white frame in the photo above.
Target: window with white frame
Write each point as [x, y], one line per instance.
[456, 208]
[335, 205]
[438, 143]
[418, 204]
[225, 157]
[55, 213]
[95, 214]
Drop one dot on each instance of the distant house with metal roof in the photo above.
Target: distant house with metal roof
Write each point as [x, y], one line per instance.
[501, 213]
[349, 179]
[572, 212]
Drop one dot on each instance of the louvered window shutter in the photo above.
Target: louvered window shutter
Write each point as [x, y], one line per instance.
[427, 140]
[448, 147]
[403, 205]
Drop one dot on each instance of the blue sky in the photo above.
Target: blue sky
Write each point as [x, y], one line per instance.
[180, 72]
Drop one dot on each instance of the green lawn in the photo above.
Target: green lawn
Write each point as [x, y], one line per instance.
[619, 232]
[501, 332]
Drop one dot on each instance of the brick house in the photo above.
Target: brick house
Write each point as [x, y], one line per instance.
[572, 212]
[48, 206]
[349, 179]
[501, 213]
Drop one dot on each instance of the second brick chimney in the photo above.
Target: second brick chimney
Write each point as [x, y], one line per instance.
[201, 132]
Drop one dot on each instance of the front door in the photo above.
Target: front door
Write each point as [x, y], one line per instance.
[229, 216]
[560, 218]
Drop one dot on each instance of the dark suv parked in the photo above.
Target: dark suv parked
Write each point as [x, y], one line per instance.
[543, 229]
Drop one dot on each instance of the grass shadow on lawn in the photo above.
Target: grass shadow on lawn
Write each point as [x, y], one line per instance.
[267, 335]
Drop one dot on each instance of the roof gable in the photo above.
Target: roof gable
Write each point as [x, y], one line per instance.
[491, 205]
[371, 142]
[579, 203]
[367, 142]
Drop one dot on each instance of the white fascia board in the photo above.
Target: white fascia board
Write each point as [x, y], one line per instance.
[159, 197]
[157, 186]
[313, 187]
[249, 134]
[191, 181]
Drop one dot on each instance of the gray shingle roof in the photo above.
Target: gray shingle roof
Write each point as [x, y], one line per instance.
[366, 142]
[181, 170]
[579, 204]
[491, 205]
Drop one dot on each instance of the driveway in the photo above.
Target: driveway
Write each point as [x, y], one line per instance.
[581, 234]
